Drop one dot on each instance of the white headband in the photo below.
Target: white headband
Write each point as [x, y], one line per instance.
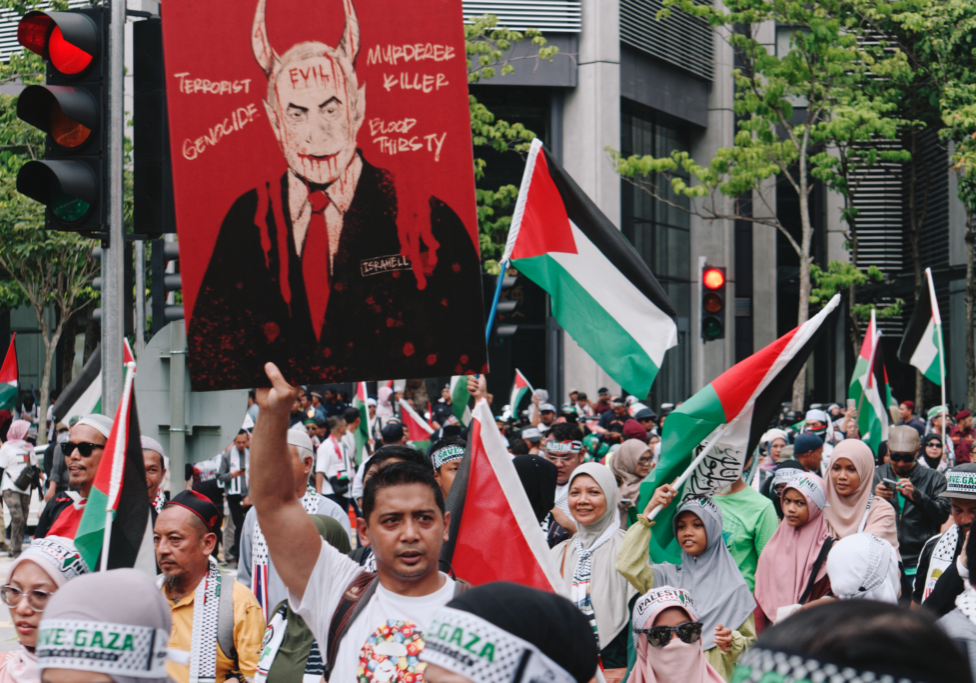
[484, 653]
[119, 649]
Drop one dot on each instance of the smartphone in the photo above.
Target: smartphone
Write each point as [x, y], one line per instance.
[850, 404]
[890, 484]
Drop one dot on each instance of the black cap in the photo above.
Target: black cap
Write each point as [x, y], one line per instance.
[392, 432]
[199, 505]
[602, 391]
[645, 414]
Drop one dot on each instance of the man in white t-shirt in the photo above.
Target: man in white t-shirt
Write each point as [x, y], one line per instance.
[333, 465]
[403, 521]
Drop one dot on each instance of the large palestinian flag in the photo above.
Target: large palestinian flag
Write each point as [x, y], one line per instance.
[492, 519]
[9, 377]
[602, 292]
[520, 389]
[416, 427]
[740, 402]
[869, 389]
[922, 344]
[118, 495]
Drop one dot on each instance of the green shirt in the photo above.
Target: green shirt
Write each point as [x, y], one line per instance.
[748, 522]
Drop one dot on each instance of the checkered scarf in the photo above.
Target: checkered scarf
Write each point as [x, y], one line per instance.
[206, 608]
[582, 572]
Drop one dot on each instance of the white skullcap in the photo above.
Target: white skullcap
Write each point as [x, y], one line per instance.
[102, 423]
[301, 441]
[818, 415]
[150, 444]
[371, 401]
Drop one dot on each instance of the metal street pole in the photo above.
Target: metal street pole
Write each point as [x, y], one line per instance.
[177, 409]
[114, 246]
[140, 254]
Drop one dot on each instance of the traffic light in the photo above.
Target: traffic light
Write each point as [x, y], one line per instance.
[713, 303]
[71, 109]
[163, 283]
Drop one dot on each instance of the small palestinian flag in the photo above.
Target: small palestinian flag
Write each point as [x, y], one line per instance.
[460, 398]
[520, 389]
[362, 434]
[602, 291]
[118, 496]
[741, 402]
[417, 428]
[869, 389]
[489, 510]
[9, 378]
[922, 344]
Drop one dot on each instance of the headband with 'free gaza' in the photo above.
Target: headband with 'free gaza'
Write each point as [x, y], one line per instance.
[553, 446]
[120, 649]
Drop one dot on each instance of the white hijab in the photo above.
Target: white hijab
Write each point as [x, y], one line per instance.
[863, 566]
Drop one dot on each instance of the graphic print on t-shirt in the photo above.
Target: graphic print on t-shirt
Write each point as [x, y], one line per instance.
[391, 654]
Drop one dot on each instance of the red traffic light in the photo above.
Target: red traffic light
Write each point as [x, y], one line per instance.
[713, 278]
[68, 40]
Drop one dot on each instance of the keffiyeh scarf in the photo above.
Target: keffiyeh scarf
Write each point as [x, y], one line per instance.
[259, 553]
[159, 501]
[206, 613]
[581, 576]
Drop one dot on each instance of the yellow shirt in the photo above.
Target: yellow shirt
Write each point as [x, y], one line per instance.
[249, 627]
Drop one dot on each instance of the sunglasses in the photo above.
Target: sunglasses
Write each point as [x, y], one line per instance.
[84, 448]
[901, 457]
[36, 599]
[659, 636]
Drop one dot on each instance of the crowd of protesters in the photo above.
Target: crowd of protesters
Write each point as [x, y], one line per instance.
[825, 560]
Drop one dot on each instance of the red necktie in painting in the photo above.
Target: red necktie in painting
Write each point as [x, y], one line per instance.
[315, 261]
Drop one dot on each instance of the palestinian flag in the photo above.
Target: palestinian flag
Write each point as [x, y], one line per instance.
[118, 496]
[84, 395]
[520, 389]
[869, 389]
[602, 292]
[740, 403]
[9, 378]
[499, 516]
[362, 434]
[922, 344]
[460, 398]
[417, 428]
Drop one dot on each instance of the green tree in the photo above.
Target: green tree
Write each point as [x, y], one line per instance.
[487, 45]
[780, 100]
[49, 270]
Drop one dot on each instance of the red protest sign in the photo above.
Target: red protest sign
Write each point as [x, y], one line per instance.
[322, 170]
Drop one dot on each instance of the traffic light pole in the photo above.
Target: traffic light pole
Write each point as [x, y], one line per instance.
[114, 247]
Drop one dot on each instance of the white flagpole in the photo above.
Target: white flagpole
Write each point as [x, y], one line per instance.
[937, 318]
[119, 444]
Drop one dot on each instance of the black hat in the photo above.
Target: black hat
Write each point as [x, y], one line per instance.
[645, 414]
[199, 505]
[392, 432]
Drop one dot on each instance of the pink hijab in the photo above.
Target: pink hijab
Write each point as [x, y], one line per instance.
[18, 430]
[383, 407]
[846, 512]
[676, 662]
[787, 560]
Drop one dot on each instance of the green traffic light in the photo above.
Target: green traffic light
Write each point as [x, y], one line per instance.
[712, 328]
[68, 208]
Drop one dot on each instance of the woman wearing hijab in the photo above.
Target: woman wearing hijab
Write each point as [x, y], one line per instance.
[865, 567]
[539, 479]
[384, 410]
[630, 464]
[512, 633]
[772, 444]
[792, 568]
[851, 507]
[88, 608]
[707, 571]
[933, 455]
[34, 577]
[586, 561]
[15, 456]
[773, 487]
[667, 638]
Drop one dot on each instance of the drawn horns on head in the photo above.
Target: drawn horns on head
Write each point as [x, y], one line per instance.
[266, 56]
[263, 53]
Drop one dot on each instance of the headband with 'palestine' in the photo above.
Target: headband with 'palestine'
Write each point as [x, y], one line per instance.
[573, 447]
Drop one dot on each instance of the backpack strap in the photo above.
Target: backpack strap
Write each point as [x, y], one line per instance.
[225, 618]
[354, 600]
[821, 558]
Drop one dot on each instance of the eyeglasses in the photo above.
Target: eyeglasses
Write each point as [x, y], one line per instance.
[901, 457]
[36, 599]
[84, 448]
[659, 636]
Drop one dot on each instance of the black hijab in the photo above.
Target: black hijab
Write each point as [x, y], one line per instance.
[538, 477]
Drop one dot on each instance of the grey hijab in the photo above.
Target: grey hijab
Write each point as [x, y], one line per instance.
[92, 603]
[609, 590]
[713, 578]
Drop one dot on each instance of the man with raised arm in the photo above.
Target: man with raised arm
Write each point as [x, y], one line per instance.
[360, 619]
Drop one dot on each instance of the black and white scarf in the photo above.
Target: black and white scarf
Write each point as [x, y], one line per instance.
[943, 555]
[259, 553]
[206, 608]
[159, 501]
[582, 572]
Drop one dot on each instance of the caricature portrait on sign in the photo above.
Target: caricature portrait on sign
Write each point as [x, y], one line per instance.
[324, 190]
